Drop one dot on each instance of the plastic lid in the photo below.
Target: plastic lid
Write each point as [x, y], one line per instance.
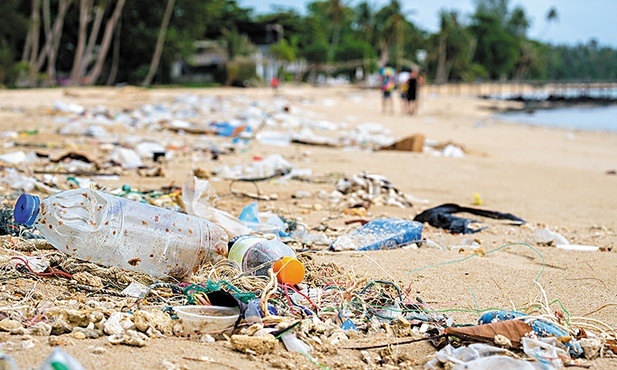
[27, 209]
[288, 270]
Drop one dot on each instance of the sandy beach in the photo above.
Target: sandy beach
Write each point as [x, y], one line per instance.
[552, 178]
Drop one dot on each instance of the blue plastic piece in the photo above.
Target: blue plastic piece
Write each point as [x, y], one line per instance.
[27, 209]
[541, 327]
[254, 310]
[383, 233]
[250, 217]
[348, 325]
[223, 128]
[250, 213]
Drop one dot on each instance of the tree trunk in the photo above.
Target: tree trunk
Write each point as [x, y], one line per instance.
[336, 35]
[37, 59]
[63, 7]
[160, 42]
[47, 29]
[36, 30]
[399, 46]
[384, 53]
[30, 48]
[115, 57]
[84, 16]
[93, 76]
[52, 38]
[94, 34]
[441, 77]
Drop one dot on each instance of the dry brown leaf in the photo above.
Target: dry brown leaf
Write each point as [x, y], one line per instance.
[511, 329]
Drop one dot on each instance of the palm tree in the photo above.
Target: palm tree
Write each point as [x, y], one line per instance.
[454, 48]
[551, 16]
[160, 41]
[335, 11]
[365, 18]
[110, 26]
[518, 22]
[394, 22]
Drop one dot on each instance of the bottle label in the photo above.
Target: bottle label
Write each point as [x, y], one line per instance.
[241, 246]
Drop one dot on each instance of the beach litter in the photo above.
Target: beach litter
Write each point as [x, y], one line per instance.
[383, 233]
[442, 217]
[262, 306]
[365, 190]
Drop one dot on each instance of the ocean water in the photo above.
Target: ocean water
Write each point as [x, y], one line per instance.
[588, 118]
[594, 92]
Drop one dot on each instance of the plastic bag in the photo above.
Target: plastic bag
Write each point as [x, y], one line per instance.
[480, 356]
[199, 196]
[251, 217]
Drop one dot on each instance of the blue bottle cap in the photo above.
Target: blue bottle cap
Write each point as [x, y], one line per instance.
[27, 209]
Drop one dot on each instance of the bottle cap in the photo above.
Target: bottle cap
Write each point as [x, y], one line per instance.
[288, 270]
[27, 209]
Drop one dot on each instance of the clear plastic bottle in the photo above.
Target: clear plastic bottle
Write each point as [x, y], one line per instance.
[256, 255]
[382, 233]
[113, 231]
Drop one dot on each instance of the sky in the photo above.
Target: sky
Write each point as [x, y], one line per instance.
[579, 20]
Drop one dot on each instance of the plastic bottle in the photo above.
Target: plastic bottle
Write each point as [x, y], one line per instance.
[256, 255]
[113, 231]
[382, 233]
[58, 359]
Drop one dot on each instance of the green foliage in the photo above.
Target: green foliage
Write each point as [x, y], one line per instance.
[316, 52]
[240, 72]
[518, 22]
[493, 43]
[140, 22]
[13, 26]
[352, 49]
[237, 44]
[473, 72]
[586, 61]
[284, 51]
[497, 49]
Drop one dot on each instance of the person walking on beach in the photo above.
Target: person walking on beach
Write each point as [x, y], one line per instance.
[274, 83]
[388, 84]
[401, 80]
[413, 86]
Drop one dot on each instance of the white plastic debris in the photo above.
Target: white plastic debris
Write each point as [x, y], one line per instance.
[199, 197]
[479, 356]
[272, 165]
[135, 290]
[95, 131]
[274, 138]
[18, 181]
[127, 158]
[18, 157]
[578, 247]
[60, 106]
[546, 351]
[453, 151]
[546, 236]
[147, 149]
[292, 343]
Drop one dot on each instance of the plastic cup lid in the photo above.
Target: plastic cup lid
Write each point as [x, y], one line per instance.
[288, 270]
[27, 209]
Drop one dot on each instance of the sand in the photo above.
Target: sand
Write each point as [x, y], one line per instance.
[550, 177]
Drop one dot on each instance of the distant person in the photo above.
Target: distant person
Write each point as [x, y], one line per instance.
[274, 83]
[401, 80]
[388, 84]
[413, 89]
